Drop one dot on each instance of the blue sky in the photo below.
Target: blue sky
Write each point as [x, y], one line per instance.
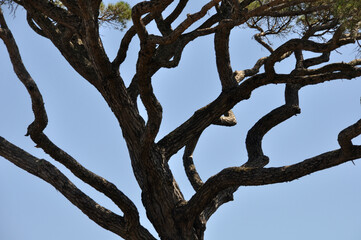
[324, 205]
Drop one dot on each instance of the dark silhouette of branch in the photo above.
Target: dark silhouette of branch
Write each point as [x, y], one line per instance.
[244, 176]
[256, 158]
[189, 166]
[35, 130]
[46, 171]
[73, 27]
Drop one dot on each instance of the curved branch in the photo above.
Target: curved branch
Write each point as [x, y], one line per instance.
[54, 12]
[189, 166]
[228, 119]
[33, 25]
[308, 45]
[92, 40]
[221, 46]
[35, 130]
[196, 182]
[124, 45]
[258, 38]
[100, 184]
[151, 104]
[243, 176]
[345, 136]
[324, 57]
[68, 43]
[202, 118]
[174, 50]
[152, 7]
[191, 18]
[41, 119]
[240, 75]
[205, 116]
[256, 158]
[176, 12]
[49, 173]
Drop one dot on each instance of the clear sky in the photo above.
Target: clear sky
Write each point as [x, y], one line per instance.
[324, 205]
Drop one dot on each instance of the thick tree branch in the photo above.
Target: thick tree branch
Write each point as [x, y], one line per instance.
[176, 12]
[324, 57]
[228, 119]
[41, 119]
[33, 25]
[72, 6]
[221, 46]
[92, 40]
[54, 12]
[201, 119]
[189, 166]
[46, 171]
[68, 43]
[196, 182]
[102, 185]
[36, 128]
[191, 18]
[152, 7]
[153, 107]
[85, 53]
[124, 45]
[345, 137]
[256, 158]
[308, 45]
[240, 75]
[243, 176]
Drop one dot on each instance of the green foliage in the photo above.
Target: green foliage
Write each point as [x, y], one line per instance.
[349, 13]
[116, 14]
[254, 5]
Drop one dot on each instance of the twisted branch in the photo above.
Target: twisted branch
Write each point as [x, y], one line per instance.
[49, 173]
[256, 158]
[35, 130]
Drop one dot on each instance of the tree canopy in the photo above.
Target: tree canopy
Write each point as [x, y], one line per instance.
[306, 31]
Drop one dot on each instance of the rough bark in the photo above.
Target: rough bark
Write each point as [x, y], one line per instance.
[74, 31]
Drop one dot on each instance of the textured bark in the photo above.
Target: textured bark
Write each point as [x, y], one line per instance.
[74, 31]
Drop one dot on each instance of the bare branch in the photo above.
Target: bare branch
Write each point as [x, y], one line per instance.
[72, 6]
[240, 75]
[41, 119]
[102, 185]
[243, 176]
[221, 45]
[189, 166]
[196, 182]
[345, 136]
[124, 45]
[258, 38]
[303, 44]
[146, 7]
[228, 119]
[153, 107]
[191, 18]
[92, 40]
[324, 57]
[68, 43]
[176, 12]
[33, 25]
[256, 158]
[36, 128]
[53, 12]
[46, 171]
